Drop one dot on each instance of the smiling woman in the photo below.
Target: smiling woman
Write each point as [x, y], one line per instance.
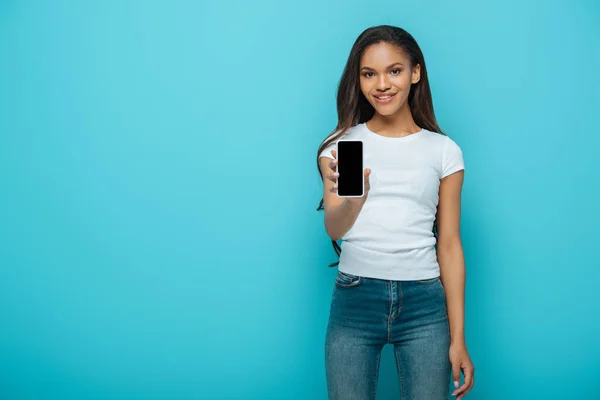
[392, 284]
[398, 77]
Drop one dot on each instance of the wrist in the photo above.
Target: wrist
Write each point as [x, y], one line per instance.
[355, 204]
[457, 340]
[351, 205]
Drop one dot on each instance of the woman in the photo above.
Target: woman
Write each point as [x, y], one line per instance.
[398, 282]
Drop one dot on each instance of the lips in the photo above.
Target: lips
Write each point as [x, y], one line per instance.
[384, 98]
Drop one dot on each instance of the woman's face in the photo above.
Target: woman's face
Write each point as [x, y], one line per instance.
[386, 71]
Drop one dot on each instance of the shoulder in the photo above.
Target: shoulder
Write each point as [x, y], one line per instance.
[353, 133]
[437, 138]
[445, 151]
[451, 147]
[442, 142]
[452, 159]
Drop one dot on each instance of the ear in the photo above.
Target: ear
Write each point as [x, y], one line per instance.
[416, 74]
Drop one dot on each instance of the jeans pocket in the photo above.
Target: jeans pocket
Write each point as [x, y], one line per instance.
[428, 281]
[345, 280]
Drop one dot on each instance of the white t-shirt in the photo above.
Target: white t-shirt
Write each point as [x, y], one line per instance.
[392, 237]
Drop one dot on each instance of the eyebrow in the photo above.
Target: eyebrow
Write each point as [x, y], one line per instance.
[369, 68]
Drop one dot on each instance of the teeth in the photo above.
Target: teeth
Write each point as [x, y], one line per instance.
[383, 97]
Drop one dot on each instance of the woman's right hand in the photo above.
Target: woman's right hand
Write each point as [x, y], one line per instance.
[333, 177]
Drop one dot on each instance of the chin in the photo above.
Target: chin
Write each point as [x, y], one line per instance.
[387, 111]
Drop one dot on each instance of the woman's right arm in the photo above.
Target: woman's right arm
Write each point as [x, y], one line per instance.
[340, 213]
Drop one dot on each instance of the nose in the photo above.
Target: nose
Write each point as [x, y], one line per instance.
[383, 83]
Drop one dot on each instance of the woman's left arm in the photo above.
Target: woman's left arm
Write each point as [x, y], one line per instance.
[452, 270]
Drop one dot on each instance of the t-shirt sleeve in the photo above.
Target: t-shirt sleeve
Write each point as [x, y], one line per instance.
[326, 152]
[452, 159]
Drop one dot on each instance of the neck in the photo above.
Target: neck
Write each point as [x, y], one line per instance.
[400, 123]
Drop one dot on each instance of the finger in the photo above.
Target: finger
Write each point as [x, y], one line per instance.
[367, 173]
[468, 376]
[456, 377]
[464, 393]
[333, 189]
[467, 385]
[460, 391]
[468, 381]
[333, 163]
[333, 177]
[470, 386]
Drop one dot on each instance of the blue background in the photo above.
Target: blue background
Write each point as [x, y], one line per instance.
[159, 237]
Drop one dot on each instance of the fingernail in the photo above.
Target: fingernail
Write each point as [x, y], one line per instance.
[456, 384]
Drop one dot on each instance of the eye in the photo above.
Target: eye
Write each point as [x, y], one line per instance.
[366, 74]
[397, 69]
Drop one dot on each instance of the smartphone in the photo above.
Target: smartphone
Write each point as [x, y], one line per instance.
[351, 181]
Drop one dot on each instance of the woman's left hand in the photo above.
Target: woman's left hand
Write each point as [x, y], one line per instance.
[460, 360]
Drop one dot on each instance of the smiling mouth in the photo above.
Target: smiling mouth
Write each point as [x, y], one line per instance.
[385, 98]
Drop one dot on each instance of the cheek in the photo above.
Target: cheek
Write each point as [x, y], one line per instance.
[364, 87]
[402, 81]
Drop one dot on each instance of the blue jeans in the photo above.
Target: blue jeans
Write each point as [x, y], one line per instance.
[366, 314]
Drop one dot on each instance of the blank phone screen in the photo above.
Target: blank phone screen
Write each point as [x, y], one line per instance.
[350, 168]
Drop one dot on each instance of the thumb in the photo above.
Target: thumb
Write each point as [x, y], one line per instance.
[456, 375]
[366, 182]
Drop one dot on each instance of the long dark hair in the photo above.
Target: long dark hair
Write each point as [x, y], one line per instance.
[352, 106]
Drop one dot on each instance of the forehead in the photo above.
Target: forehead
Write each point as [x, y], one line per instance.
[382, 54]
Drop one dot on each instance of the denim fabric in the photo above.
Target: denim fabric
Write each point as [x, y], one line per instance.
[368, 313]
